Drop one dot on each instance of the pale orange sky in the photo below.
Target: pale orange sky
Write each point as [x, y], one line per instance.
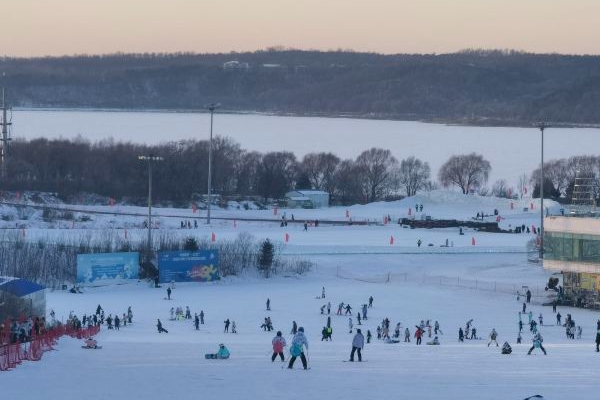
[66, 27]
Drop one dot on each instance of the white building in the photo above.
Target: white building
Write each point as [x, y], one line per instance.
[307, 199]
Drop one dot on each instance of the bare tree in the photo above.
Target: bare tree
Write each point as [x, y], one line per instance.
[523, 180]
[320, 169]
[376, 168]
[413, 175]
[348, 188]
[501, 189]
[276, 174]
[468, 172]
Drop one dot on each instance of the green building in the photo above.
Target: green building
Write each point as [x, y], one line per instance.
[572, 247]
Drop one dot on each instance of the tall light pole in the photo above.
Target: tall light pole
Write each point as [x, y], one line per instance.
[150, 158]
[211, 107]
[542, 126]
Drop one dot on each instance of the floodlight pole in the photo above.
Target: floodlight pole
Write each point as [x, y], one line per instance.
[150, 158]
[542, 126]
[211, 107]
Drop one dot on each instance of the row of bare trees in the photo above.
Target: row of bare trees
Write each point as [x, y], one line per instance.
[110, 168]
[53, 261]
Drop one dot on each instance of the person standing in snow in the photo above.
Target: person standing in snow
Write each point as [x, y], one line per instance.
[436, 328]
[323, 292]
[407, 335]
[233, 327]
[278, 343]
[461, 335]
[369, 336]
[294, 328]
[350, 324]
[299, 342]
[268, 304]
[370, 301]
[418, 335]
[358, 342]
[537, 342]
[226, 322]
[196, 321]
[493, 336]
[169, 293]
[598, 341]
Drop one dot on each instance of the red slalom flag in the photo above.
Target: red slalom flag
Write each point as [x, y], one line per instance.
[213, 237]
[473, 241]
[391, 240]
[287, 237]
[194, 208]
[275, 211]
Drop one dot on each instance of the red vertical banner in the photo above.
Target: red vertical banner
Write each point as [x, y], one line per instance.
[391, 240]
[194, 208]
[473, 241]
[531, 204]
[275, 211]
[213, 237]
[287, 237]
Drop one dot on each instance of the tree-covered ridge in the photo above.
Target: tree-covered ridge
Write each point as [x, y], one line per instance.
[482, 87]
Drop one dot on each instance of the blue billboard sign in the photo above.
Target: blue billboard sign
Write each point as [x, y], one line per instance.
[188, 266]
[107, 267]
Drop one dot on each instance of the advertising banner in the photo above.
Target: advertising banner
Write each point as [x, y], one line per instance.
[188, 266]
[107, 268]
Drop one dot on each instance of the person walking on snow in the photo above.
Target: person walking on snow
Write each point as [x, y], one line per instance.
[299, 342]
[226, 322]
[169, 293]
[357, 345]
[268, 304]
[370, 301]
[278, 343]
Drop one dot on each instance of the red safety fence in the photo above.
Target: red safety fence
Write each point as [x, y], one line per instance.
[14, 353]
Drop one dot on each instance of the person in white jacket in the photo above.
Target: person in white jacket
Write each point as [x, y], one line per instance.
[357, 344]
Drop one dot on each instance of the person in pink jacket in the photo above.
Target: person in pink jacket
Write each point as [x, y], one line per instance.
[278, 345]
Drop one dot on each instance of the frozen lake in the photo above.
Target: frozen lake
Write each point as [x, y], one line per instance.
[511, 151]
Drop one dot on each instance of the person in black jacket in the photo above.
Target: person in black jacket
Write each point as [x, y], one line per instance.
[160, 327]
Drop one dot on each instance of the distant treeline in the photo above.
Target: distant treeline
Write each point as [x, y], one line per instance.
[473, 86]
[76, 169]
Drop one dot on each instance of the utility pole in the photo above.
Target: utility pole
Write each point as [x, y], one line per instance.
[5, 139]
[211, 107]
[542, 126]
[150, 158]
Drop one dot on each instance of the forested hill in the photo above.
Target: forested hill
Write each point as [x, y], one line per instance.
[478, 87]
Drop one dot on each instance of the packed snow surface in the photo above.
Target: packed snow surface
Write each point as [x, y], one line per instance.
[352, 262]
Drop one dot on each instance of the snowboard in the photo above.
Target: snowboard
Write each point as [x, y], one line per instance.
[91, 348]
